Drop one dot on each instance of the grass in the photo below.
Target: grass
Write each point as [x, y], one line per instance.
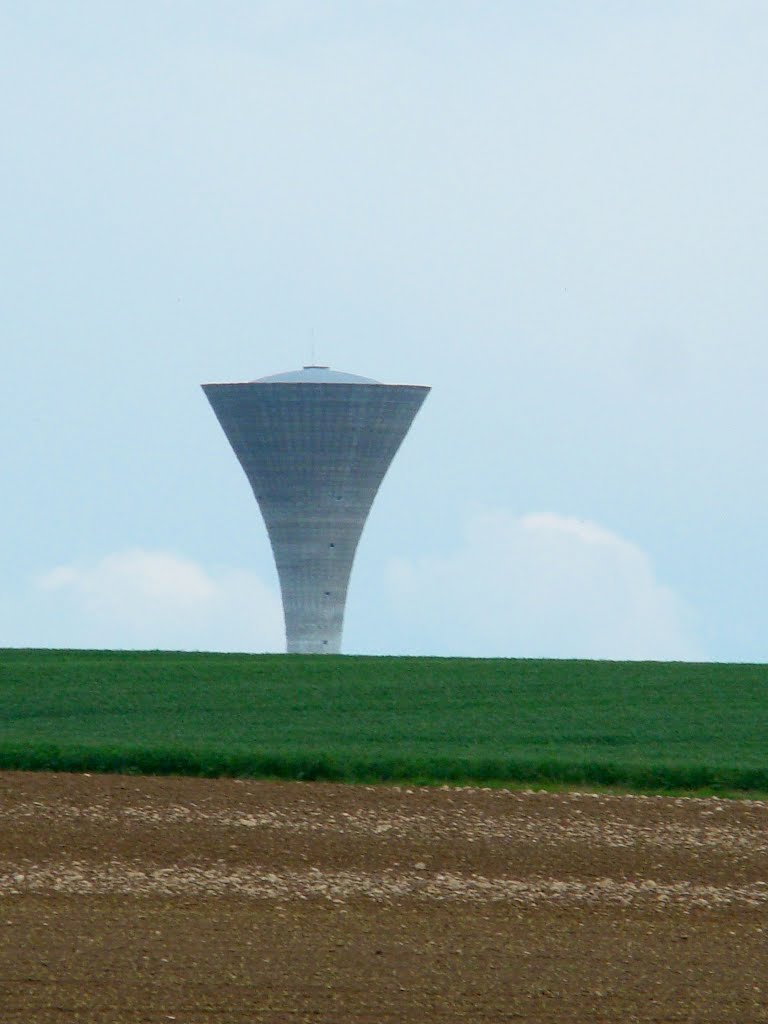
[649, 726]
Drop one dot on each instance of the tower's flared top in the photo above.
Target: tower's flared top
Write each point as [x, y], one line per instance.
[316, 375]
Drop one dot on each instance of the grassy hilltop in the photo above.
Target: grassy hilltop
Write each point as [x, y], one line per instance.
[647, 725]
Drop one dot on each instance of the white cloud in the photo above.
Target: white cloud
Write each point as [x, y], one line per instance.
[148, 599]
[540, 586]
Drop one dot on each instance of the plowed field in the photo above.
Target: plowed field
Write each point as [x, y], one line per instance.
[126, 899]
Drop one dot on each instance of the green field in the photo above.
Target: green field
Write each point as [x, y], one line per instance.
[644, 725]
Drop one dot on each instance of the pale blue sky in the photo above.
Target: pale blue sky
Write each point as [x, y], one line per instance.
[554, 213]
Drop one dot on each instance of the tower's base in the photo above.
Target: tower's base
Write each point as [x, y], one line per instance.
[313, 646]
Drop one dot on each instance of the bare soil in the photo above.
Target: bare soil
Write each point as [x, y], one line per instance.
[126, 900]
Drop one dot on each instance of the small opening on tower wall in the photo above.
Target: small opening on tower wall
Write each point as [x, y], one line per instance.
[331, 545]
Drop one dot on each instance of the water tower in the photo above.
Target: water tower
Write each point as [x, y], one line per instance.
[315, 445]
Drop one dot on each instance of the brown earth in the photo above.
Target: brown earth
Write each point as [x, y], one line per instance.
[126, 900]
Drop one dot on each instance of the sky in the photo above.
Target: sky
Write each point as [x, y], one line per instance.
[555, 214]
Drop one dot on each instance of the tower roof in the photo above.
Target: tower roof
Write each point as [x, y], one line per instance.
[316, 375]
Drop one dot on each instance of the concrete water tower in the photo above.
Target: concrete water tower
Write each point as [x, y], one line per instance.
[315, 445]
